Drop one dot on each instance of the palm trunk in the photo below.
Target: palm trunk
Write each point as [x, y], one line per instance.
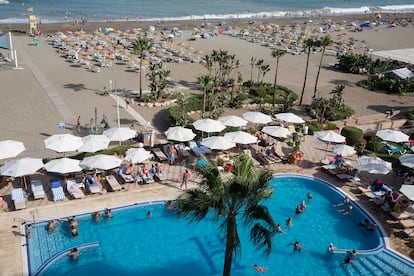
[228, 257]
[275, 87]
[317, 75]
[204, 101]
[140, 76]
[306, 75]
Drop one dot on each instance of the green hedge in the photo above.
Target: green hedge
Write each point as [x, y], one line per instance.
[352, 134]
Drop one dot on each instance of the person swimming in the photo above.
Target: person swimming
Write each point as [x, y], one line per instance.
[259, 268]
[297, 246]
[289, 222]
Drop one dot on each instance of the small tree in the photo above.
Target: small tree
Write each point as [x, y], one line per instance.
[158, 78]
[206, 82]
[276, 54]
[140, 46]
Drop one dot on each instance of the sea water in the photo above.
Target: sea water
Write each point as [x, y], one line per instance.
[16, 11]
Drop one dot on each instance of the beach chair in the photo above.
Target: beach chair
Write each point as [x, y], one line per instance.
[113, 183]
[57, 189]
[159, 154]
[126, 177]
[18, 199]
[393, 149]
[37, 189]
[73, 189]
[91, 184]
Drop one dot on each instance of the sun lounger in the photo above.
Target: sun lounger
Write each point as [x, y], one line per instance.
[91, 184]
[18, 198]
[113, 183]
[402, 215]
[393, 149]
[37, 189]
[73, 189]
[159, 154]
[407, 223]
[198, 149]
[148, 180]
[126, 177]
[57, 189]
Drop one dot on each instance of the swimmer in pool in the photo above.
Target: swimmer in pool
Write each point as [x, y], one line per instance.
[259, 268]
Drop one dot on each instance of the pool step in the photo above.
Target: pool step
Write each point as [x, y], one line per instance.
[392, 260]
[368, 266]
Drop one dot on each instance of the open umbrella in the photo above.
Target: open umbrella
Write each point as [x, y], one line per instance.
[63, 165]
[407, 160]
[374, 165]
[241, 137]
[120, 133]
[218, 143]
[408, 191]
[180, 134]
[233, 121]
[392, 135]
[137, 155]
[330, 137]
[257, 117]
[208, 125]
[343, 150]
[93, 143]
[21, 167]
[10, 148]
[63, 142]
[277, 131]
[101, 161]
[289, 118]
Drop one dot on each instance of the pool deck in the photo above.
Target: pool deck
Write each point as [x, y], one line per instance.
[11, 249]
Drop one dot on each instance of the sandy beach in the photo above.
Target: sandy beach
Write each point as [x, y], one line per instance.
[47, 89]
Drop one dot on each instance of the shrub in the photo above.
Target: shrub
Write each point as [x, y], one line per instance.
[374, 146]
[318, 127]
[339, 114]
[194, 102]
[352, 134]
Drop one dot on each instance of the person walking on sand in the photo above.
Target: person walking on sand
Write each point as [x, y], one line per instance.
[78, 124]
[186, 177]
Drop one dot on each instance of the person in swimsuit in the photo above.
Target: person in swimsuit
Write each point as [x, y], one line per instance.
[259, 268]
[186, 177]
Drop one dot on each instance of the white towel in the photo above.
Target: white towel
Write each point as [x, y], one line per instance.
[17, 194]
[58, 194]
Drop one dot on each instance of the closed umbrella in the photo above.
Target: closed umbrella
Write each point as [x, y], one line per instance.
[257, 117]
[233, 121]
[408, 191]
[101, 161]
[277, 131]
[63, 165]
[343, 150]
[241, 137]
[120, 133]
[63, 142]
[137, 155]
[21, 167]
[208, 125]
[93, 143]
[392, 135]
[289, 118]
[218, 143]
[407, 160]
[180, 134]
[374, 165]
[10, 148]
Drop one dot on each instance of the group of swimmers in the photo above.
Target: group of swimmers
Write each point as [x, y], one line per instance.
[346, 203]
[107, 213]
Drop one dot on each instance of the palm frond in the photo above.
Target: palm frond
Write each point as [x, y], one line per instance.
[259, 212]
[262, 238]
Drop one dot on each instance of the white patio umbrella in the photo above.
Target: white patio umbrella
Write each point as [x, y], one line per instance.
[93, 143]
[330, 137]
[277, 131]
[374, 165]
[257, 117]
[21, 167]
[10, 148]
[407, 160]
[180, 134]
[137, 155]
[120, 133]
[392, 135]
[289, 118]
[63, 165]
[408, 191]
[101, 161]
[233, 121]
[63, 142]
[218, 143]
[241, 137]
[208, 125]
[343, 150]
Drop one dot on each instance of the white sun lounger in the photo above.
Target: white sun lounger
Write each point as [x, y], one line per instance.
[18, 198]
[37, 189]
[91, 184]
[57, 189]
[113, 183]
[73, 189]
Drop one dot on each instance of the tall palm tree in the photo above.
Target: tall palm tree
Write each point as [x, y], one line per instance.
[276, 54]
[309, 43]
[140, 46]
[237, 198]
[253, 61]
[324, 42]
[205, 82]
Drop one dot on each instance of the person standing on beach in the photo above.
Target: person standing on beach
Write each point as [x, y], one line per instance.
[78, 124]
[186, 177]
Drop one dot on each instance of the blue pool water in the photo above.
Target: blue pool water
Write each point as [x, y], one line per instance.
[132, 244]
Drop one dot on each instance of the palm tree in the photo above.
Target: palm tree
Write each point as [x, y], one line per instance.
[324, 42]
[205, 82]
[238, 197]
[253, 61]
[276, 54]
[309, 43]
[140, 46]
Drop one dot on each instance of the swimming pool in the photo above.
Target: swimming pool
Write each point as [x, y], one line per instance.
[132, 244]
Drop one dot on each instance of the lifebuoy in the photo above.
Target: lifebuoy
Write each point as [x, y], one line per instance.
[298, 155]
